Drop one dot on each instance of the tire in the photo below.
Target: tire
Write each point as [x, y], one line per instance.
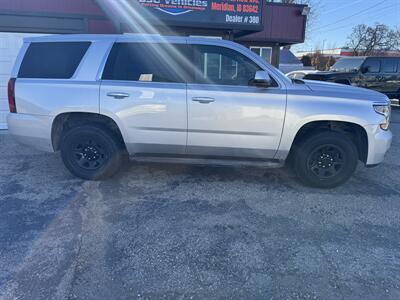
[325, 160]
[91, 152]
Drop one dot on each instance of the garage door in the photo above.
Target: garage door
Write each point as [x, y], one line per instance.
[10, 43]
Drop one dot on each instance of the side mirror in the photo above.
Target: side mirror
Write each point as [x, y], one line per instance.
[364, 69]
[262, 79]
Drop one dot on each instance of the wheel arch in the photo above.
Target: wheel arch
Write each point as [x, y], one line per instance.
[66, 120]
[354, 131]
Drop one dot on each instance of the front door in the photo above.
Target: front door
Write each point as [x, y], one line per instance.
[371, 77]
[144, 88]
[227, 115]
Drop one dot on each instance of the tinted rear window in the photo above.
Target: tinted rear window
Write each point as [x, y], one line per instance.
[57, 60]
[154, 62]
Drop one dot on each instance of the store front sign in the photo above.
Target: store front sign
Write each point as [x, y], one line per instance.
[228, 14]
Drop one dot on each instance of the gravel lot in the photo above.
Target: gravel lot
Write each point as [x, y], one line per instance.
[185, 232]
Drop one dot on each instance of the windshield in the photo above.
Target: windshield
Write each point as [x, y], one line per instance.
[347, 65]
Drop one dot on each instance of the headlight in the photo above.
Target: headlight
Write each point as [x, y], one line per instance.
[384, 110]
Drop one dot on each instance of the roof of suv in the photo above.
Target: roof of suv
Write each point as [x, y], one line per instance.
[158, 38]
[121, 37]
[133, 37]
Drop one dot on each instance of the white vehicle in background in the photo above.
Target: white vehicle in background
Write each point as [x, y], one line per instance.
[299, 74]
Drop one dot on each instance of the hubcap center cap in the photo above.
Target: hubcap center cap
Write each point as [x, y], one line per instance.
[325, 161]
[90, 153]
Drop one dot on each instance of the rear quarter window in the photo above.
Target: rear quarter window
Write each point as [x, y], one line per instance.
[55, 60]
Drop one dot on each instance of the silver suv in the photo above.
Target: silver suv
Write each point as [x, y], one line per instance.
[98, 98]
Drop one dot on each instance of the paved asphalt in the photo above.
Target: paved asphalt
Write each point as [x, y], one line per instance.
[184, 232]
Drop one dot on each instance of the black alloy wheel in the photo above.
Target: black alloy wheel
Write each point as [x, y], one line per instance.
[91, 152]
[325, 159]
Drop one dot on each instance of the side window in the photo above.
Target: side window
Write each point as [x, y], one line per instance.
[389, 66]
[55, 60]
[154, 62]
[222, 66]
[373, 65]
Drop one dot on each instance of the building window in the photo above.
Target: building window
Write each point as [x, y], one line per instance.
[264, 52]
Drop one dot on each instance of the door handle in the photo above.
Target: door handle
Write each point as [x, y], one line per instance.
[203, 100]
[118, 95]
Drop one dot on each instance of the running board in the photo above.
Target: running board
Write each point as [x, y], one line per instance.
[210, 161]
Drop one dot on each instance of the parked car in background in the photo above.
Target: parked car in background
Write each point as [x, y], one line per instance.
[190, 100]
[299, 74]
[381, 74]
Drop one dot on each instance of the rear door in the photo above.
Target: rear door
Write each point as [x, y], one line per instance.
[144, 88]
[390, 76]
[227, 115]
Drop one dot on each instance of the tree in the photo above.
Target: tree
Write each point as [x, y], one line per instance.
[306, 60]
[316, 60]
[329, 63]
[366, 40]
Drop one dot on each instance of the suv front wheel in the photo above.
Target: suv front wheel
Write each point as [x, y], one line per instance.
[91, 152]
[325, 160]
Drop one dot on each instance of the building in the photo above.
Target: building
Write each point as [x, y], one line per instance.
[335, 52]
[288, 62]
[338, 53]
[262, 26]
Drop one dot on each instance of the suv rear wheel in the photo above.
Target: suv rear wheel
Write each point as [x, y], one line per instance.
[91, 152]
[325, 160]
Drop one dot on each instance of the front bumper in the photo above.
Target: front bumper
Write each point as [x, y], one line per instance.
[32, 130]
[379, 142]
